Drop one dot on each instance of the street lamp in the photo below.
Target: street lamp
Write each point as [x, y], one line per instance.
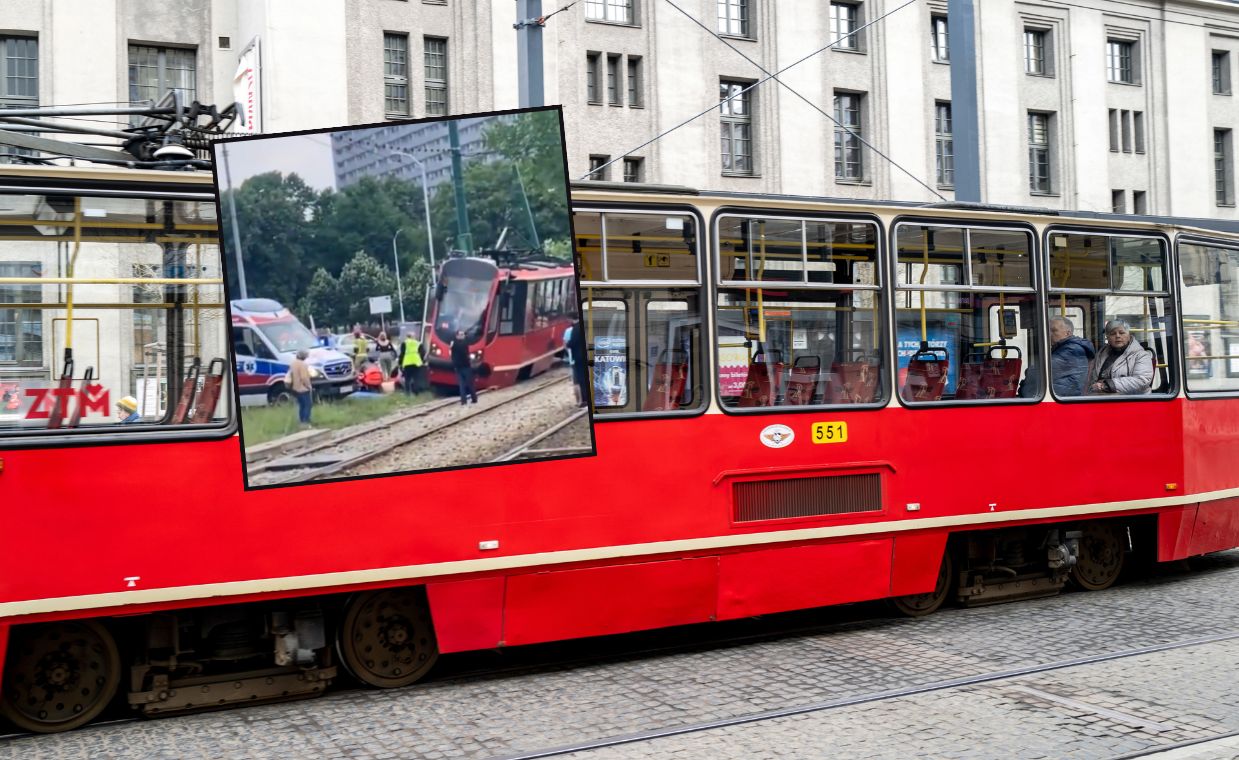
[399, 290]
[430, 244]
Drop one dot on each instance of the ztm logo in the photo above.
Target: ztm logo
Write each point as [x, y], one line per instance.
[94, 399]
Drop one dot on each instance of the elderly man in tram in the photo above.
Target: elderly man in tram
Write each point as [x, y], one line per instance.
[1069, 358]
[1123, 366]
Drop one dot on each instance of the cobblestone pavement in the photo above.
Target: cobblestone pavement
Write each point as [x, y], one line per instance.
[1098, 710]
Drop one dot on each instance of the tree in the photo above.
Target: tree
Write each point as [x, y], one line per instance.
[322, 300]
[361, 279]
[533, 145]
[272, 210]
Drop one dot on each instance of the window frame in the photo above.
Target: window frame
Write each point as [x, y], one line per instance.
[699, 285]
[593, 173]
[854, 40]
[747, 119]
[885, 351]
[1220, 71]
[593, 78]
[395, 80]
[944, 144]
[1041, 45]
[615, 88]
[1035, 289]
[1047, 147]
[607, 5]
[72, 437]
[1122, 61]
[1176, 276]
[1171, 295]
[1224, 167]
[745, 18]
[634, 81]
[637, 163]
[849, 133]
[939, 49]
[437, 85]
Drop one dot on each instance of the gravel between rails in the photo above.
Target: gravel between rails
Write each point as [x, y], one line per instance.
[485, 436]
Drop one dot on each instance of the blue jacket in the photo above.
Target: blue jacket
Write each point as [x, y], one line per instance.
[1069, 365]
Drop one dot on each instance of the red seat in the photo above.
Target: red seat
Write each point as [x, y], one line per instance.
[762, 383]
[852, 383]
[1002, 378]
[802, 382]
[667, 384]
[927, 375]
[971, 378]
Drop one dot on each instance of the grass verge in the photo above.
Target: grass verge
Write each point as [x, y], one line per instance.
[260, 424]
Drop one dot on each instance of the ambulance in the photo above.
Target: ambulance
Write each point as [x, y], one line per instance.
[265, 339]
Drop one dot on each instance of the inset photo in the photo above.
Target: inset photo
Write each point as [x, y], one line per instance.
[403, 298]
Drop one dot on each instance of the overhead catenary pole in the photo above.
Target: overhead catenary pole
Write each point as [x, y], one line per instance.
[529, 52]
[395, 255]
[464, 238]
[962, 51]
[232, 212]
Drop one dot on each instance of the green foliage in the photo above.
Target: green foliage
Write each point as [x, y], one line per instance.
[361, 279]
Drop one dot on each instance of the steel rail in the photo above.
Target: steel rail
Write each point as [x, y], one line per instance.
[524, 447]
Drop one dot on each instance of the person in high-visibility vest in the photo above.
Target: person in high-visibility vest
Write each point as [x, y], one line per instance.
[411, 363]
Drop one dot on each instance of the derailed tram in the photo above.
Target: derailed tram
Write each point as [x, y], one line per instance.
[799, 402]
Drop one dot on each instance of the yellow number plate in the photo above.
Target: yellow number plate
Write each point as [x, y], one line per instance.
[830, 432]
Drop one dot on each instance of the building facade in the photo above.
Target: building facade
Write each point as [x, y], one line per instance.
[1102, 105]
[389, 150]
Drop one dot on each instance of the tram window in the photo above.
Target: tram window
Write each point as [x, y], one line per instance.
[1210, 292]
[798, 313]
[636, 246]
[804, 347]
[1107, 278]
[147, 302]
[966, 314]
[967, 345]
[645, 344]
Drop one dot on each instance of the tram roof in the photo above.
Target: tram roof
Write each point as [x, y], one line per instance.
[1228, 226]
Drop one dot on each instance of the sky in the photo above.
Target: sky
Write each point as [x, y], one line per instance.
[308, 156]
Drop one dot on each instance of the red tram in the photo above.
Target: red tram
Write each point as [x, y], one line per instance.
[513, 311]
[798, 402]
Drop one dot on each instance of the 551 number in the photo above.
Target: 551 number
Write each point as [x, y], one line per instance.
[830, 432]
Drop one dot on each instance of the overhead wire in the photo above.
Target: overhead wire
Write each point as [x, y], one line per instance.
[810, 103]
[738, 93]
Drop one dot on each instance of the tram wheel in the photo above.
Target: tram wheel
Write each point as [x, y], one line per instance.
[58, 676]
[1101, 556]
[387, 639]
[918, 605]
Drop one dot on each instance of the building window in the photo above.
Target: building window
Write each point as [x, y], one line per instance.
[19, 81]
[1114, 130]
[396, 74]
[1119, 66]
[598, 168]
[436, 76]
[1138, 203]
[944, 149]
[155, 70]
[592, 93]
[1039, 152]
[737, 127]
[1118, 201]
[849, 163]
[613, 84]
[844, 19]
[634, 170]
[634, 82]
[617, 11]
[1221, 72]
[733, 17]
[938, 39]
[1138, 129]
[21, 330]
[1125, 127]
[1223, 175]
[1034, 51]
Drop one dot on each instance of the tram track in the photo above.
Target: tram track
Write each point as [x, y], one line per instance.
[340, 455]
[884, 695]
[526, 451]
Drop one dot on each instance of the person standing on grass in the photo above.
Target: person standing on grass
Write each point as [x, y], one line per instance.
[411, 363]
[387, 355]
[464, 370]
[301, 386]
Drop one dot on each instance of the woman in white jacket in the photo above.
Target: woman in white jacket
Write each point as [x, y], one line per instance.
[1123, 366]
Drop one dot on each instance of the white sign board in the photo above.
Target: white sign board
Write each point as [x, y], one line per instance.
[151, 397]
[380, 305]
[245, 91]
[800, 340]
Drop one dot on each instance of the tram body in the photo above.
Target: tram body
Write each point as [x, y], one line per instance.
[513, 314]
[733, 476]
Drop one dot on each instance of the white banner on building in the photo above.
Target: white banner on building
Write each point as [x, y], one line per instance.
[246, 92]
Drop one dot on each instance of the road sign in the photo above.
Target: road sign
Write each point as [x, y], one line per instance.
[380, 305]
